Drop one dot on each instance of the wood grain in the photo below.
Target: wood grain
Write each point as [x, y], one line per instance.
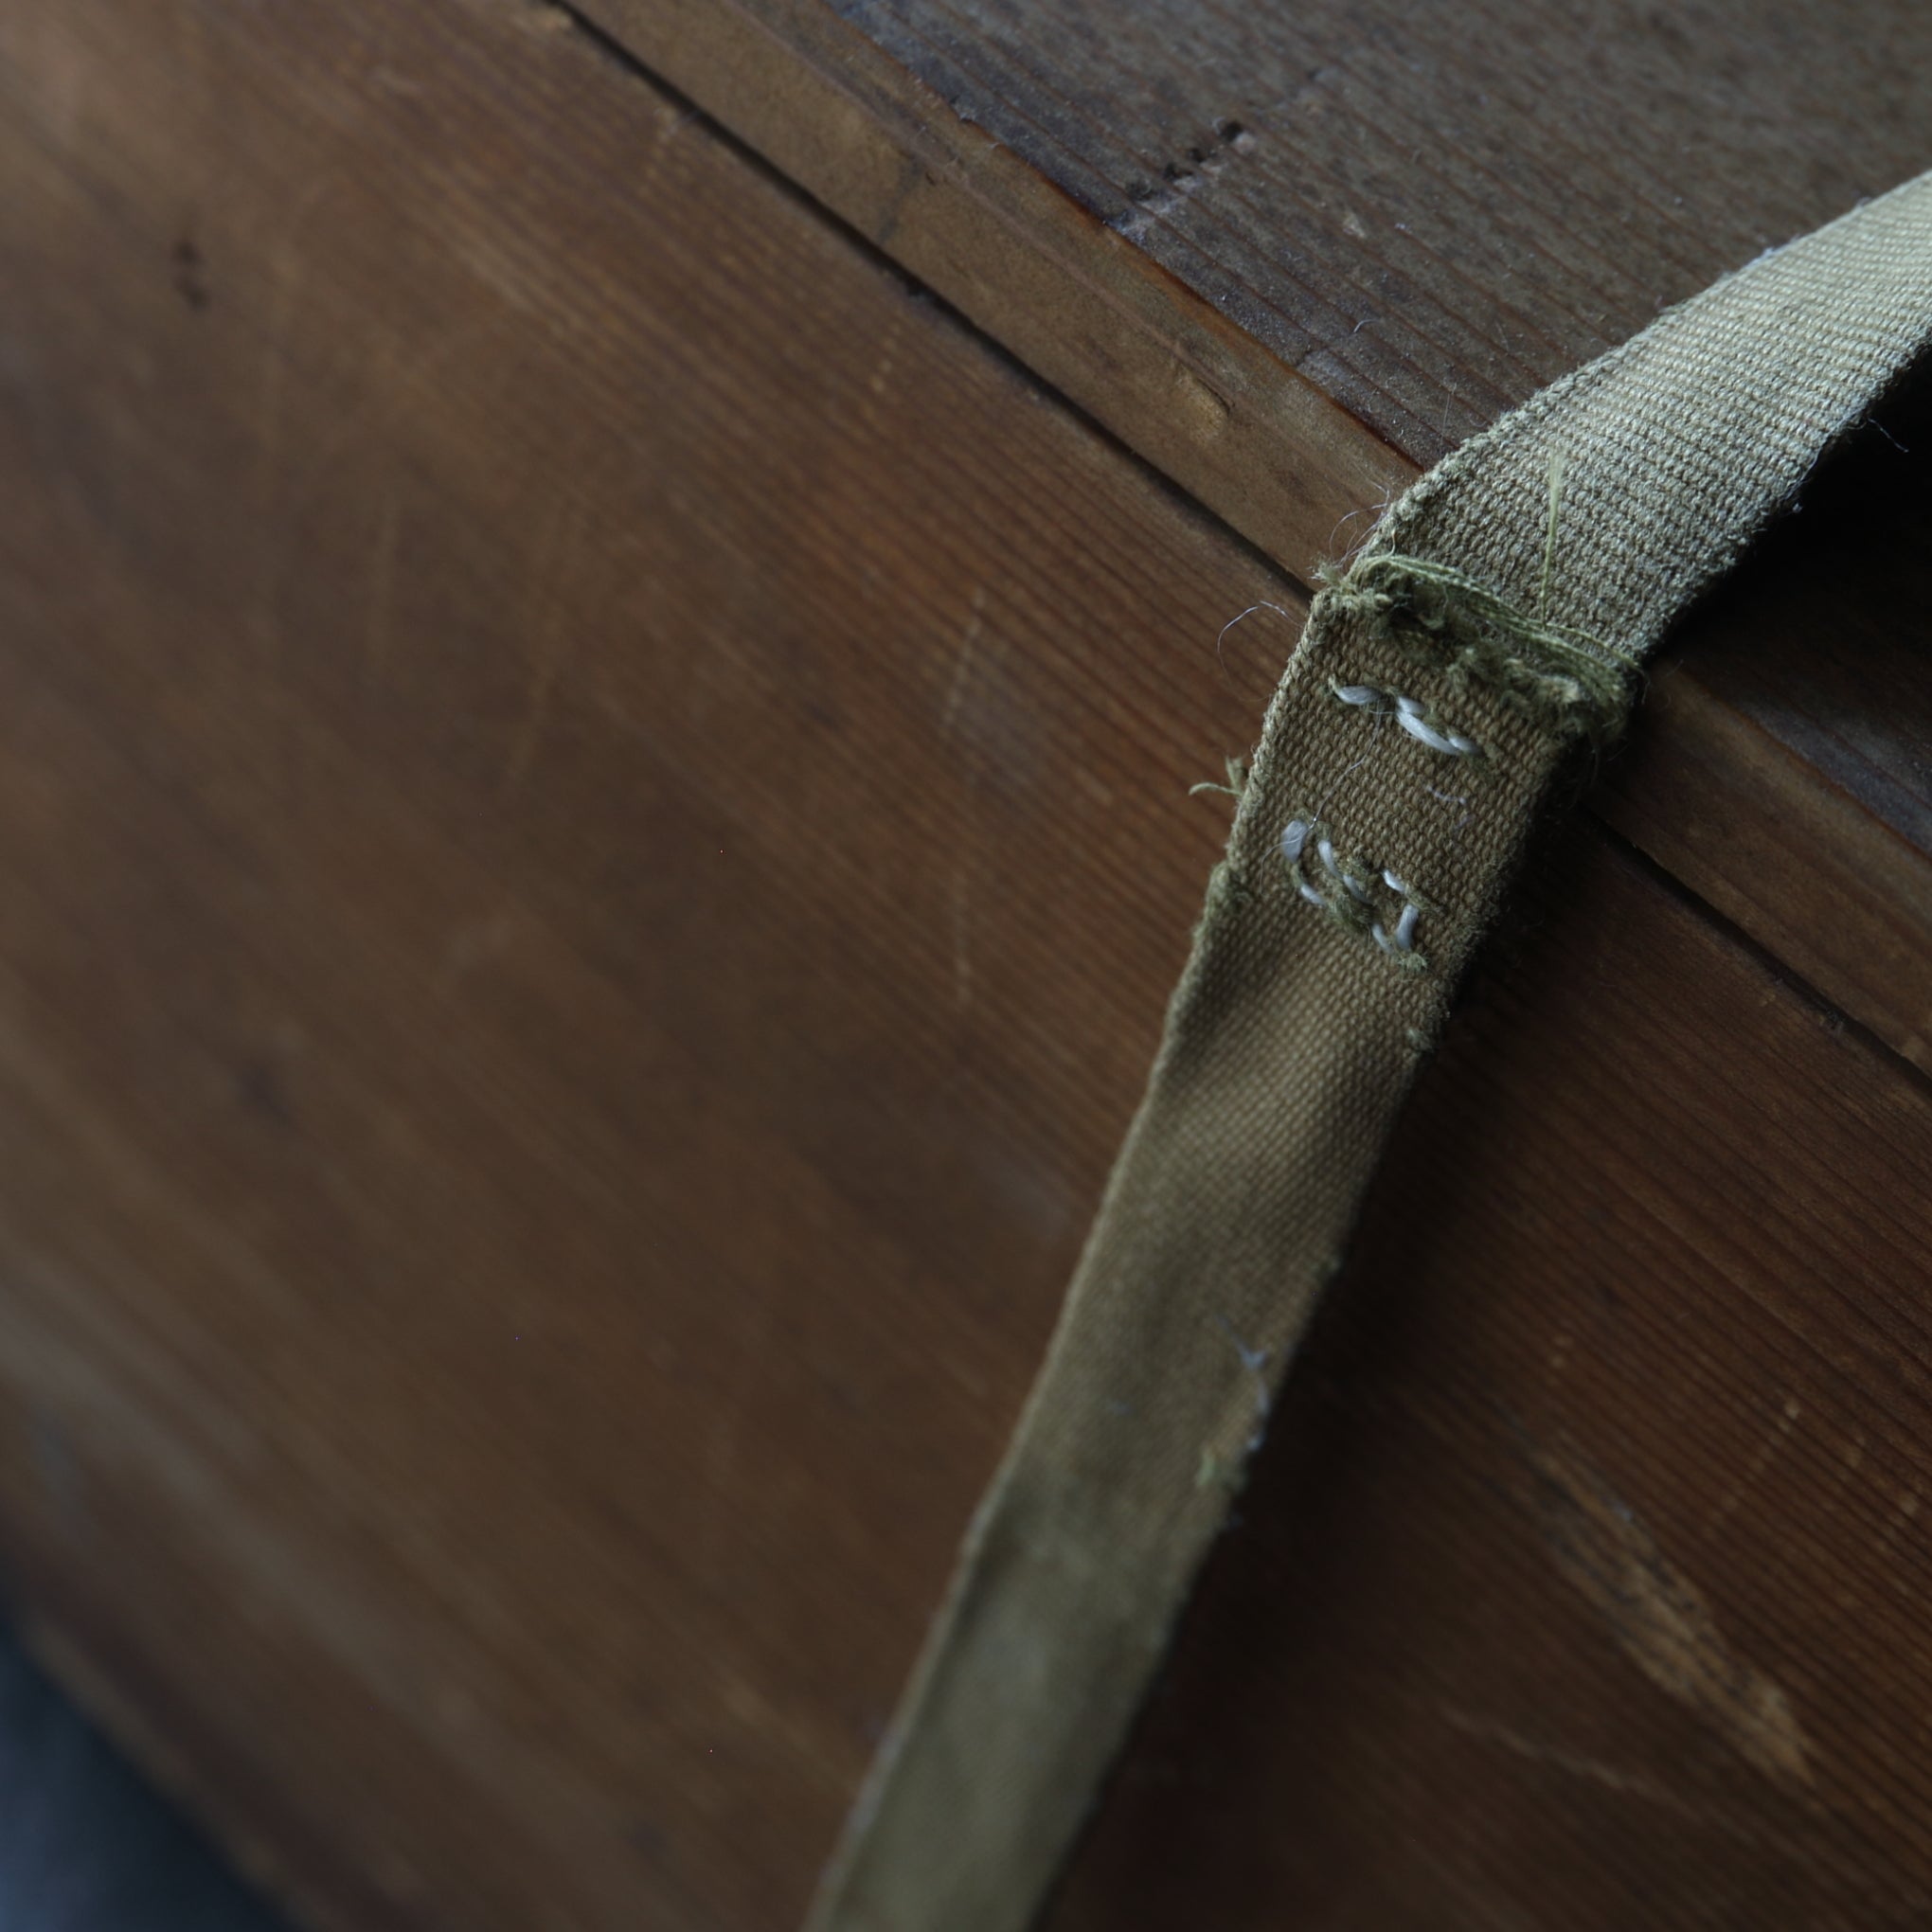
[593, 835]
[1422, 214]
[589, 865]
[1436, 211]
[1188, 388]
[1580, 1582]
[1783, 765]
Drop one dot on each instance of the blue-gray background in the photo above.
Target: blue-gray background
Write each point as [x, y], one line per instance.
[85, 1846]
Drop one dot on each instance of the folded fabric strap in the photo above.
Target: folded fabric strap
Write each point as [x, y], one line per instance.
[1496, 616]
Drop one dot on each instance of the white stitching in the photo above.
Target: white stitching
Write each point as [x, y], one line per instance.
[1402, 940]
[1348, 906]
[1412, 715]
[1325, 851]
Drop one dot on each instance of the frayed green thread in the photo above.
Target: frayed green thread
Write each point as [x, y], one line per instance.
[1236, 787]
[1352, 892]
[1214, 1472]
[1568, 681]
[1549, 535]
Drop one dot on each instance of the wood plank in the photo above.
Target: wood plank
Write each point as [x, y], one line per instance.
[589, 865]
[1427, 214]
[1188, 387]
[1581, 1579]
[1784, 768]
[1422, 215]
[1434, 212]
[1125, 339]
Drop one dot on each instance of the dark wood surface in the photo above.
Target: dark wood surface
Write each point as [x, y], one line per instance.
[593, 835]
[1784, 766]
[589, 867]
[1582, 1581]
[1446, 205]
[1187, 387]
[1434, 211]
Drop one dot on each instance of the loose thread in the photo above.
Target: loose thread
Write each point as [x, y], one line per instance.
[1570, 680]
[1236, 787]
[1550, 534]
[1350, 891]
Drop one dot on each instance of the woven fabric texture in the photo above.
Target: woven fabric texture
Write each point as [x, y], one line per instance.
[1493, 617]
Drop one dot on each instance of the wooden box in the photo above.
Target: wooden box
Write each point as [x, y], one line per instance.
[607, 614]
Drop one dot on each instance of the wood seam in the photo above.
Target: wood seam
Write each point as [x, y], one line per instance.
[785, 77]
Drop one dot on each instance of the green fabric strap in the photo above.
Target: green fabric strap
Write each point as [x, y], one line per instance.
[1498, 614]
